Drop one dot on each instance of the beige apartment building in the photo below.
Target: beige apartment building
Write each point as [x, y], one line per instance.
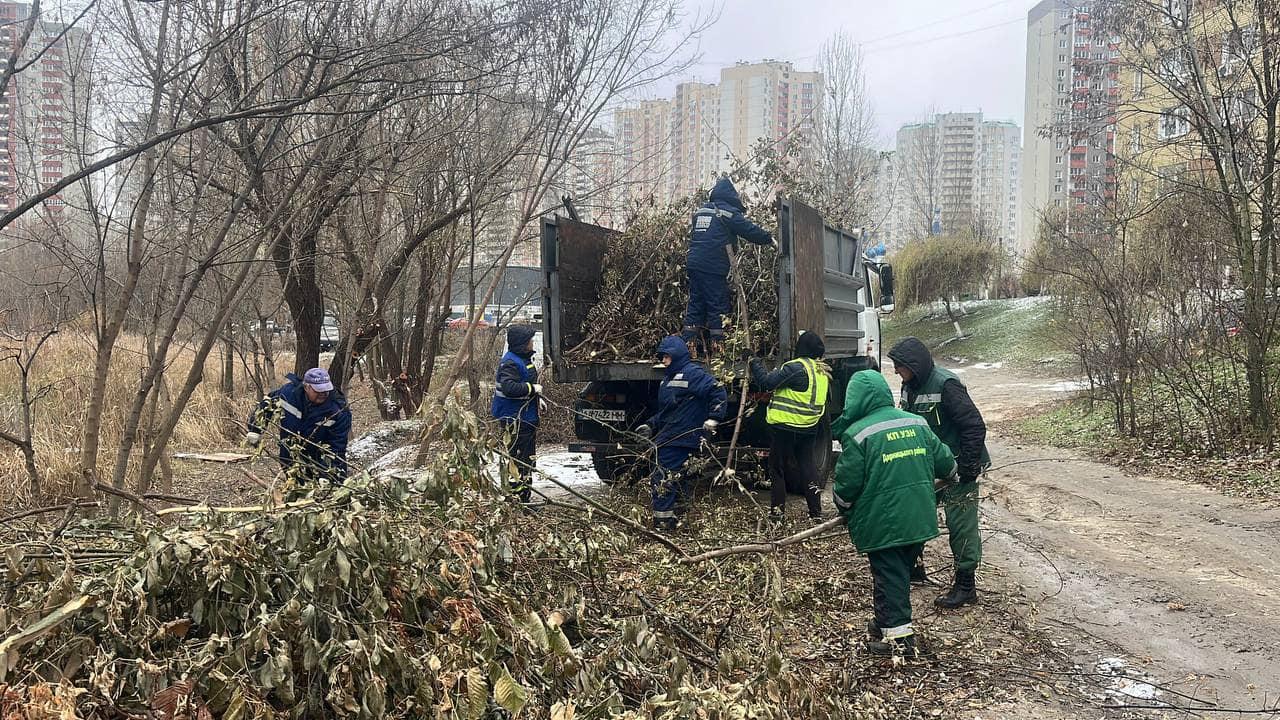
[671, 148]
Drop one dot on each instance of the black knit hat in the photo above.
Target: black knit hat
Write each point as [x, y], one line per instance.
[518, 336]
[810, 345]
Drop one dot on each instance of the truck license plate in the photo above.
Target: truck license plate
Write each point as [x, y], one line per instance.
[606, 415]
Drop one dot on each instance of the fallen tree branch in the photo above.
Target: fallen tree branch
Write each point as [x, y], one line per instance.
[48, 509]
[767, 547]
[681, 629]
[776, 545]
[15, 641]
[745, 322]
[204, 508]
[120, 493]
[625, 521]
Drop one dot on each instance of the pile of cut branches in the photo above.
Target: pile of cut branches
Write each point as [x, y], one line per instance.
[644, 290]
[425, 594]
[417, 594]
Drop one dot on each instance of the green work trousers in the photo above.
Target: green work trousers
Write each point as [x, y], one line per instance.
[891, 588]
[960, 504]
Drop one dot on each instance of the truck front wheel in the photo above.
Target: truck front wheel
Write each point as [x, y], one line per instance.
[613, 469]
[824, 456]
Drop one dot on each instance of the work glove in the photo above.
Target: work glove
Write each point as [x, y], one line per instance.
[773, 243]
[710, 426]
[253, 439]
[537, 389]
[967, 475]
[843, 507]
[542, 406]
[644, 431]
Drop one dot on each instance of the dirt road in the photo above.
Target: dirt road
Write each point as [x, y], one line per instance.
[1180, 579]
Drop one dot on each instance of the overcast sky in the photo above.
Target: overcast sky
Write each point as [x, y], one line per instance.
[952, 55]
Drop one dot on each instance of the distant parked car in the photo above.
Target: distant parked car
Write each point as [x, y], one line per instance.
[328, 337]
[462, 323]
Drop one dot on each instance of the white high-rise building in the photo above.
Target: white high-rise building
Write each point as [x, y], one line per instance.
[695, 133]
[1071, 93]
[957, 173]
[997, 200]
[643, 134]
[768, 100]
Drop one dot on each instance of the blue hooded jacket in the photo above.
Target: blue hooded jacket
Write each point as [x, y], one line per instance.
[513, 395]
[718, 224]
[319, 431]
[688, 396]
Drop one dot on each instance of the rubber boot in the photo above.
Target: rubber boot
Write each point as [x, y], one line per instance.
[873, 631]
[904, 646]
[919, 576]
[666, 526]
[963, 592]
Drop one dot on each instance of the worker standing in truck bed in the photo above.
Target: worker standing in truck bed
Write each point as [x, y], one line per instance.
[716, 225]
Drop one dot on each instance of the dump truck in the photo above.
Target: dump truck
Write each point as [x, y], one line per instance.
[824, 285]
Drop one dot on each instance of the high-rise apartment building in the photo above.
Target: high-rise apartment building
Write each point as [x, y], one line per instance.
[644, 136]
[768, 100]
[35, 110]
[957, 173]
[671, 148]
[1072, 88]
[998, 180]
[695, 137]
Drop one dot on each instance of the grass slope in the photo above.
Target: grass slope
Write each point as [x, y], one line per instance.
[1015, 332]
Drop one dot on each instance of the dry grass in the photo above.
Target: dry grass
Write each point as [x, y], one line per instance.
[212, 418]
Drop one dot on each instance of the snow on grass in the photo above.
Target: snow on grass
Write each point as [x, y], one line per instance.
[1008, 332]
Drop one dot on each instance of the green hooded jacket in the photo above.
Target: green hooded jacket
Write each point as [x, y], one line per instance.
[888, 461]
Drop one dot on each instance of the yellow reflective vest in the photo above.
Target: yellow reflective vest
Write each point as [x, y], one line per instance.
[801, 408]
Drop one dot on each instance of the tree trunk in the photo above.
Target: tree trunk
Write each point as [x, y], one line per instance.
[228, 384]
[306, 305]
[955, 322]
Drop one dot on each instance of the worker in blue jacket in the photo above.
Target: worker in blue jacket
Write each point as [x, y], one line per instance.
[691, 403]
[715, 226]
[315, 423]
[517, 405]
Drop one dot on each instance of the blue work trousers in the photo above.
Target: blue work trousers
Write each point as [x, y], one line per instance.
[670, 485]
[708, 301]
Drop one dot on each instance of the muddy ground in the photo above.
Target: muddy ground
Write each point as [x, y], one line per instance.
[1157, 592]
[1171, 575]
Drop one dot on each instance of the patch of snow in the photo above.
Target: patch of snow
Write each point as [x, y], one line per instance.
[397, 459]
[1067, 386]
[987, 366]
[1125, 685]
[572, 469]
[367, 442]
[1030, 301]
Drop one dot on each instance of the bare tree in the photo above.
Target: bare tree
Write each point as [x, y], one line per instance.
[602, 50]
[23, 351]
[843, 170]
[1205, 121]
[919, 166]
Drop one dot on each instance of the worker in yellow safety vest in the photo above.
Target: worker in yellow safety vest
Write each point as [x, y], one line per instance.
[800, 387]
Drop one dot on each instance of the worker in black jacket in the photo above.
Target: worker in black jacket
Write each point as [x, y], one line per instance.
[937, 395]
[800, 388]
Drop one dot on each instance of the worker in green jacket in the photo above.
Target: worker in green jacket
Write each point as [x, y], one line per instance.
[938, 396]
[884, 485]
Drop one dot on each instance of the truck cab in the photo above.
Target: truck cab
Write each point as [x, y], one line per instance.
[824, 285]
